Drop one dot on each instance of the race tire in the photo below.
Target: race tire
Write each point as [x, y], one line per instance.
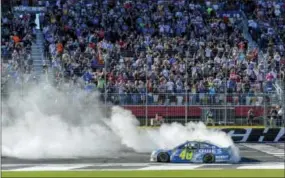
[163, 157]
[209, 158]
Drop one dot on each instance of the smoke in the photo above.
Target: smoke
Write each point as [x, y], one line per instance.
[48, 123]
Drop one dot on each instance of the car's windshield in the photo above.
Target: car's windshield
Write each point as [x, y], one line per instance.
[193, 144]
[187, 144]
[180, 146]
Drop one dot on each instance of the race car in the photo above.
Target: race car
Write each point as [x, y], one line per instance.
[193, 152]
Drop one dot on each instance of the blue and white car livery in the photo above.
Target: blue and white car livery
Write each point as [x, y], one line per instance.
[193, 152]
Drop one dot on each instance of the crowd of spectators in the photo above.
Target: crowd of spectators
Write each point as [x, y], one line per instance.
[267, 27]
[126, 49]
[17, 34]
[156, 47]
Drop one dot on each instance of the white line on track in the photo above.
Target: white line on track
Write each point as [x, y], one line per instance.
[248, 151]
[52, 167]
[275, 166]
[178, 167]
[15, 165]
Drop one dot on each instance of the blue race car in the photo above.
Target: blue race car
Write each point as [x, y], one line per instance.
[193, 152]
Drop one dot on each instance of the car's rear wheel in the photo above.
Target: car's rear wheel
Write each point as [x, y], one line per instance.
[208, 158]
[163, 157]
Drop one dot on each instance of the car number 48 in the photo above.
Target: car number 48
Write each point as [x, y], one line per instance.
[186, 155]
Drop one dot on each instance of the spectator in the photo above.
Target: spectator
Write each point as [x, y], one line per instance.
[280, 116]
[250, 117]
[210, 117]
[273, 117]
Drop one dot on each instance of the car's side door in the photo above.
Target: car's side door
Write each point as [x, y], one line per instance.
[185, 153]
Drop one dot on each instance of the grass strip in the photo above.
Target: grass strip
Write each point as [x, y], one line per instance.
[166, 173]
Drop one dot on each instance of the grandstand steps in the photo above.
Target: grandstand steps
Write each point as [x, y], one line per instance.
[251, 43]
[37, 47]
[38, 54]
[280, 88]
[261, 56]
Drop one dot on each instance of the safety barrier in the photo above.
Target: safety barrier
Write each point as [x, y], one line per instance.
[222, 115]
[193, 111]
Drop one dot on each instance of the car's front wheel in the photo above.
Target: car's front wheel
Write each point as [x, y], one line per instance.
[163, 157]
[209, 158]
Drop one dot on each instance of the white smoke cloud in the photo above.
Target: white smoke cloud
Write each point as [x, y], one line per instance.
[45, 123]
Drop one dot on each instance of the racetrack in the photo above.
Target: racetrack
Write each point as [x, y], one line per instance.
[251, 153]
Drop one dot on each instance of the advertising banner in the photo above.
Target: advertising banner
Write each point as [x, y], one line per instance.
[261, 135]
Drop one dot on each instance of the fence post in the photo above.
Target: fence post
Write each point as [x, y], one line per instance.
[283, 102]
[146, 96]
[186, 89]
[186, 107]
[105, 87]
[225, 99]
[146, 112]
[264, 110]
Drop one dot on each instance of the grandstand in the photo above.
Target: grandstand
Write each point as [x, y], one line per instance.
[175, 58]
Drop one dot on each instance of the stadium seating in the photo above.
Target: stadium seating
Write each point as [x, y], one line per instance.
[163, 54]
[16, 40]
[150, 53]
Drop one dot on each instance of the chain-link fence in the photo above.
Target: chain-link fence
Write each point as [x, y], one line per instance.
[225, 109]
[282, 112]
[152, 109]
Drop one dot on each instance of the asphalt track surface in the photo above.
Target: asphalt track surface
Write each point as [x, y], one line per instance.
[248, 155]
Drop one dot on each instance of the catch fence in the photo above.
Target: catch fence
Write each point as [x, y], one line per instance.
[227, 109]
[152, 109]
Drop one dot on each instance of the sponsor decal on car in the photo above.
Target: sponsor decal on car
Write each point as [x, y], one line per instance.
[222, 157]
[206, 151]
